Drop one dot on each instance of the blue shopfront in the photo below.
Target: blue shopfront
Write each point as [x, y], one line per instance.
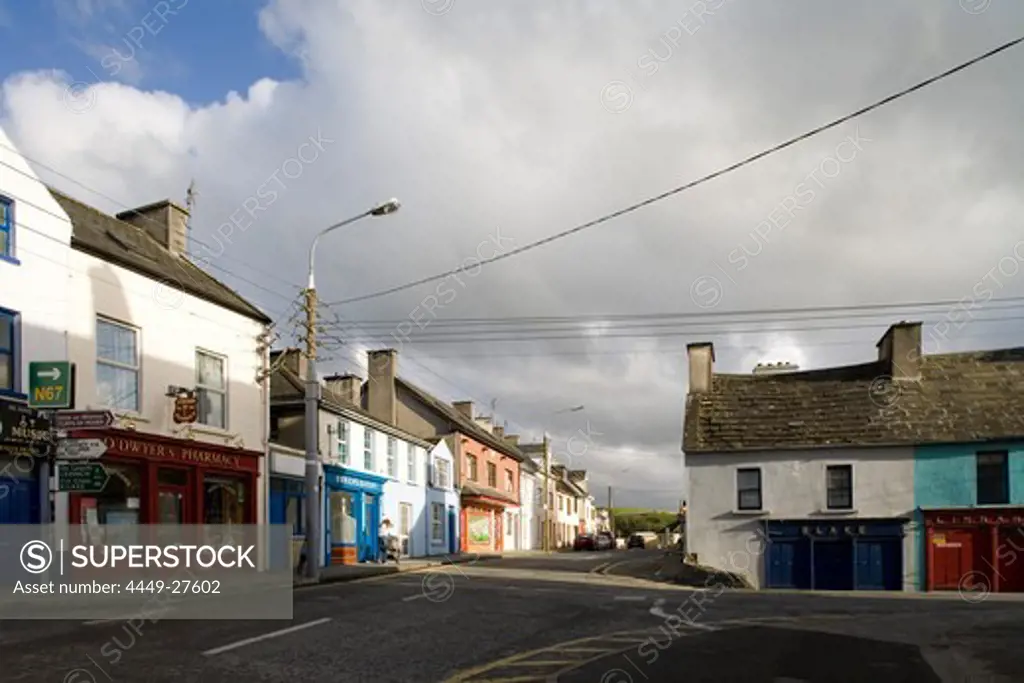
[23, 434]
[855, 554]
[353, 507]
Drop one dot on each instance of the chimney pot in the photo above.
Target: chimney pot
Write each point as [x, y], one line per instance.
[701, 359]
[382, 402]
[164, 221]
[900, 350]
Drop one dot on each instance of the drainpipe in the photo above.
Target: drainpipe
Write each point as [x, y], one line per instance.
[264, 348]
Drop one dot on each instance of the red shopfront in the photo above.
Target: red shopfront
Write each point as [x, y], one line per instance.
[965, 548]
[161, 480]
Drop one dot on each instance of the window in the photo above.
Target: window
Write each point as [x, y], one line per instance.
[437, 522]
[443, 474]
[993, 478]
[343, 434]
[8, 351]
[211, 390]
[392, 445]
[748, 488]
[411, 463]
[839, 480]
[492, 475]
[509, 483]
[368, 450]
[471, 467]
[6, 228]
[117, 365]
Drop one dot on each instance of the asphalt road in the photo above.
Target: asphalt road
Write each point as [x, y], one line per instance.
[529, 616]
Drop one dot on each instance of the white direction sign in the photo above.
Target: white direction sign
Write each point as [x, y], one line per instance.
[81, 449]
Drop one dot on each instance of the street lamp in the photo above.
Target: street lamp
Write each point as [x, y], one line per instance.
[548, 525]
[313, 396]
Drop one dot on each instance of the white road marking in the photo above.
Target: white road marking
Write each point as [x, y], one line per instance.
[632, 598]
[661, 614]
[265, 636]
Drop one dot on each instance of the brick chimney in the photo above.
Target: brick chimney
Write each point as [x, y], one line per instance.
[164, 221]
[499, 431]
[345, 387]
[382, 401]
[512, 440]
[701, 359]
[900, 350]
[294, 360]
[464, 408]
[485, 424]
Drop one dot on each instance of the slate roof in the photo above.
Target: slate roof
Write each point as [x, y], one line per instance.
[128, 246]
[961, 398]
[460, 421]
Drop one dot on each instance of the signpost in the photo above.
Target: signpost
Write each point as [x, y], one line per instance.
[49, 384]
[80, 449]
[22, 429]
[88, 477]
[83, 419]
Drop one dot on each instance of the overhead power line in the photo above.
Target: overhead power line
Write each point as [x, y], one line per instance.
[689, 185]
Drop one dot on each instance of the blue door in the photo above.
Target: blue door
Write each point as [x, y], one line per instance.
[789, 564]
[880, 564]
[368, 532]
[453, 525]
[19, 501]
[833, 565]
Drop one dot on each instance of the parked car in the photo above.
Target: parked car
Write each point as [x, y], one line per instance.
[636, 541]
[584, 542]
[604, 541]
[620, 543]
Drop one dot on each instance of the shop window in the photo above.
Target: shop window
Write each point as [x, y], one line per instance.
[112, 514]
[437, 522]
[343, 521]
[993, 478]
[509, 483]
[471, 467]
[839, 483]
[211, 390]
[117, 365]
[8, 351]
[748, 488]
[342, 448]
[223, 500]
[392, 456]
[492, 475]
[6, 228]
[368, 449]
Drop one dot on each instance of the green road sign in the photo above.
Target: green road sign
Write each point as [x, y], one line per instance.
[49, 384]
[83, 477]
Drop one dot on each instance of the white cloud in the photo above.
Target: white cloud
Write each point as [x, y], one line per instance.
[491, 116]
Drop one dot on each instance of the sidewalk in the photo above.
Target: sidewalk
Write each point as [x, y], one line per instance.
[352, 572]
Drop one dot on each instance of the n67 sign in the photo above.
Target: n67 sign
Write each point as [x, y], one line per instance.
[49, 384]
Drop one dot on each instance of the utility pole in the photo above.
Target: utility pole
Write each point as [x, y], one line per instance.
[547, 494]
[611, 515]
[312, 438]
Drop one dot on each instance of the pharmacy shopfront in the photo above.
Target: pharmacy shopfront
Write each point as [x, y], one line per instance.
[160, 480]
[353, 507]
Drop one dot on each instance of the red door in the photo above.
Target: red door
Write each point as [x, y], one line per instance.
[953, 556]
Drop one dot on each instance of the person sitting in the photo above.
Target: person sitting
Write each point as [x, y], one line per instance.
[384, 535]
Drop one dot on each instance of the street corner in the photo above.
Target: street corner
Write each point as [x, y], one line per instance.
[755, 653]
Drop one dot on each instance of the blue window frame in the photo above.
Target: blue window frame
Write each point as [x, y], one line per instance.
[7, 229]
[10, 362]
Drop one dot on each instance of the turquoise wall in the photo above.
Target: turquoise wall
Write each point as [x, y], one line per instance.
[946, 477]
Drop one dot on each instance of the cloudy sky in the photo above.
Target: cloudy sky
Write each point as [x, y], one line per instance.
[498, 124]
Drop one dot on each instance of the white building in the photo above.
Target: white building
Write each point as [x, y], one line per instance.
[35, 239]
[371, 471]
[177, 357]
[531, 507]
[791, 482]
